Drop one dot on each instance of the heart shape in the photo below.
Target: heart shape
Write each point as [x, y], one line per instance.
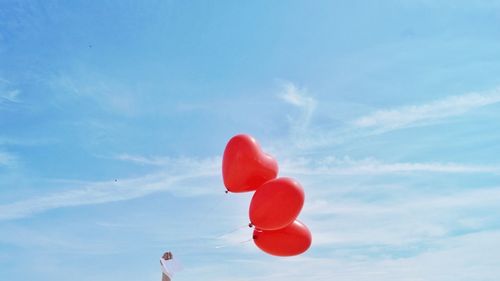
[245, 166]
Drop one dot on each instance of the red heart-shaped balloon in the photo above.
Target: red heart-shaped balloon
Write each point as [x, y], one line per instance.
[245, 166]
[289, 241]
[276, 204]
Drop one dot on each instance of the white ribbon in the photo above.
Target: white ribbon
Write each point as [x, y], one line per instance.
[170, 267]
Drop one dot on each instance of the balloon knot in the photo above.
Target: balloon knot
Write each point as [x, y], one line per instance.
[250, 225]
[227, 191]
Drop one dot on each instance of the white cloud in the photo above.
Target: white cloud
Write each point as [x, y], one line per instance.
[112, 191]
[348, 166]
[7, 159]
[107, 94]
[298, 97]
[310, 137]
[10, 96]
[467, 257]
[384, 120]
[156, 161]
[142, 160]
[396, 219]
[422, 238]
[26, 142]
[7, 94]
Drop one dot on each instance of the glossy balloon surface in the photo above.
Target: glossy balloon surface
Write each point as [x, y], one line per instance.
[245, 167]
[292, 240]
[276, 204]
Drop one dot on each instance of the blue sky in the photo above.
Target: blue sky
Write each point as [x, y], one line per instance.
[114, 116]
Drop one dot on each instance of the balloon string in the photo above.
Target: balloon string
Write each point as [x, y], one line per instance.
[237, 244]
[232, 231]
[201, 220]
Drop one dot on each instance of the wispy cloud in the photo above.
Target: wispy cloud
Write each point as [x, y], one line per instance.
[143, 160]
[112, 191]
[299, 97]
[459, 255]
[26, 142]
[105, 93]
[10, 96]
[406, 116]
[7, 94]
[296, 96]
[7, 159]
[381, 121]
[185, 170]
[402, 221]
[370, 166]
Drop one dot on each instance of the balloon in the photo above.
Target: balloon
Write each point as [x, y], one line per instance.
[289, 241]
[244, 166]
[276, 204]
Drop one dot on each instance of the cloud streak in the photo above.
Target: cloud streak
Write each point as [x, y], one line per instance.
[384, 120]
[179, 164]
[459, 255]
[369, 166]
[299, 98]
[142, 160]
[380, 121]
[7, 159]
[7, 94]
[173, 175]
[10, 96]
[401, 220]
[112, 191]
